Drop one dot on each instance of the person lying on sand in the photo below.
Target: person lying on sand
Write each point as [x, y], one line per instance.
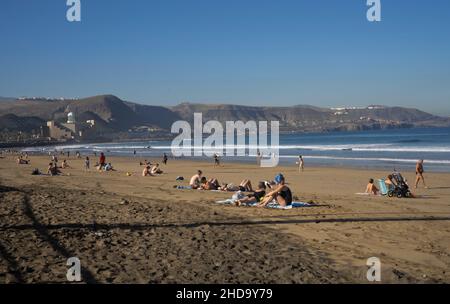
[195, 180]
[211, 184]
[254, 197]
[244, 186]
[371, 188]
[281, 193]
[156, 170]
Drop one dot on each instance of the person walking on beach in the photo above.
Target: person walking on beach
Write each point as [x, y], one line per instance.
[419, 174]
[216, 160]
[165, 159]
[87, 164]
[301, 164]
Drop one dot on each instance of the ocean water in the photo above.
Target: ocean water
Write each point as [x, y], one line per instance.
[386, 149]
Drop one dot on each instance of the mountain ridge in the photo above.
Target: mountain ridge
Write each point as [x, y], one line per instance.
[121, 116]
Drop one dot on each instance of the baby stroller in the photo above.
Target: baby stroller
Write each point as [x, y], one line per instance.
[400, 188]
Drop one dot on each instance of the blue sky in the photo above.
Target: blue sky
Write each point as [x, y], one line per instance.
[286, 52]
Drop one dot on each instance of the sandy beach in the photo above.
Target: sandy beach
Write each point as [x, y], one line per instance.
[134, 229]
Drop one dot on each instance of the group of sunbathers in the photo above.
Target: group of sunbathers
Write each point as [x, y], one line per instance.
[150, 169]
[279, 191]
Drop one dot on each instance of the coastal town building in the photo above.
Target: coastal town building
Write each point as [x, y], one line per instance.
[69, 130]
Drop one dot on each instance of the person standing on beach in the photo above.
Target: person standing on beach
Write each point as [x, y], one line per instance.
[258, 159]
[165, 159]
[87, 163]
[102, 160]
[216, 160]
[419, 174]
[301, 164]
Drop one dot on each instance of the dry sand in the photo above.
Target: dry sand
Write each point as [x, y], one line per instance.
[141, 230]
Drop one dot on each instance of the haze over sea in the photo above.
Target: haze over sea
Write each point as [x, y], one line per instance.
[384, 149]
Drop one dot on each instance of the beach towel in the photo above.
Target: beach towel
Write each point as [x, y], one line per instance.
[271, 205]
[383, 187]
[179, 187]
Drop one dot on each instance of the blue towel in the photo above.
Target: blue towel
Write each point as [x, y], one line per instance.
[184, 187]
[383, 187]
[271, 205]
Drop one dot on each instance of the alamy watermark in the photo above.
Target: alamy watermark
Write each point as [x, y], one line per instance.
[374, 11]
[73, 13]
[235, 143]
[374, 271]
[74, 271]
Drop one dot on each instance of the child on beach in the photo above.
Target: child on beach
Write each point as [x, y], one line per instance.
[371, 188]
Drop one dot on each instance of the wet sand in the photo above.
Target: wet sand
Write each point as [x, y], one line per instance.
[134, 229]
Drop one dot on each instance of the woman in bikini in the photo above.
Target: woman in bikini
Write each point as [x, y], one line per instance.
[281, 193]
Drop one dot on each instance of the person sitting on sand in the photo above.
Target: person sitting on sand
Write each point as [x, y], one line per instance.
[156, 170]
[146, 171]
[389, 181]
[21, 161]
[195, 180]
[371, 188]
[109, 167]
[254, 197]
[65, 165]
[281, 193]
[53, 169]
